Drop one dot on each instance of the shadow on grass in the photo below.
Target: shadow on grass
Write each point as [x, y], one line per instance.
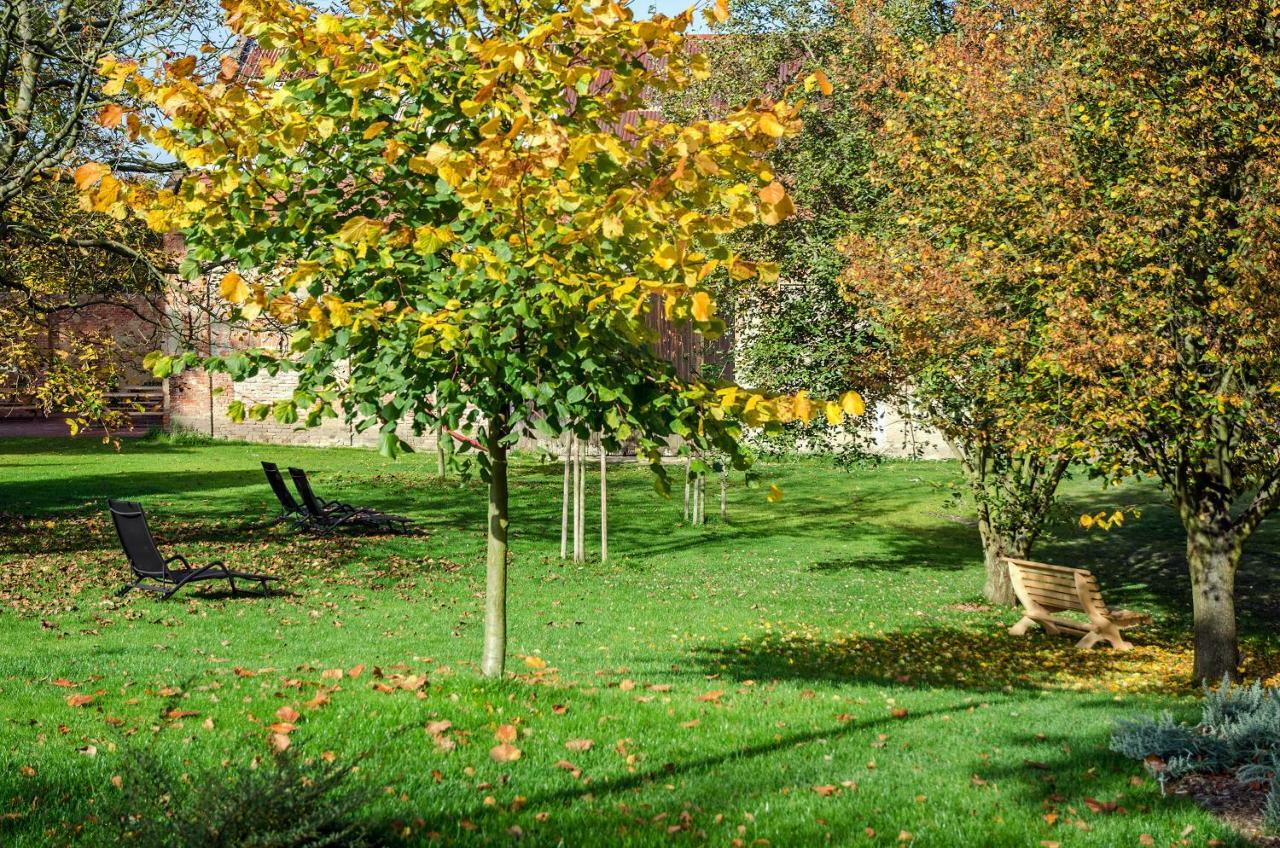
[1142, 565]
[987, 659]
[1068, 790]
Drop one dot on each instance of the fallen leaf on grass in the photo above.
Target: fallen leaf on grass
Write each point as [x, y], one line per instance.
[64, 683]
[504, 753]
[79, 700]
[579, 744]
[569, 767]
[709, 697]
[1100, 806]
[288, 714]
[505, 733]
[280, 742]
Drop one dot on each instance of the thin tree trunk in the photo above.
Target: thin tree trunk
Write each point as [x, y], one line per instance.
[724, 493]
[604, 506]
[688, 460]
[694, 507]
[494, 658]
[702, 498]
[443, 442]
[564, 502]
[1213, 555]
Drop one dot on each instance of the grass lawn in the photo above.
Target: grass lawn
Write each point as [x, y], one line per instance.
[814, 672]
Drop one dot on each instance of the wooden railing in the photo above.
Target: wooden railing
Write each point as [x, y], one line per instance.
[145, 404]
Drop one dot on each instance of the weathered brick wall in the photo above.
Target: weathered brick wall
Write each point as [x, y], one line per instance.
[135, 327]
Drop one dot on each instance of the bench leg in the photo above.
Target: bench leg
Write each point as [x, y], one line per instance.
[1021, 628]
[1108, 633]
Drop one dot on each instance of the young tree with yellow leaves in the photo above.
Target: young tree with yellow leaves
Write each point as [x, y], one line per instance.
[461, 214]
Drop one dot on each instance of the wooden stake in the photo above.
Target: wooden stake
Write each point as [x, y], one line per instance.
[604, 506]
[724, 492]
[564, 502]
[688, 459]
[578, 503]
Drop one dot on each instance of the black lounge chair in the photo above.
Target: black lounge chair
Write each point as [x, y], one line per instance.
[147, 564]
[290, 509]
[325, 516]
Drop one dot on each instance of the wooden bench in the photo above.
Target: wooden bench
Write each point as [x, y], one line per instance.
[1046, 589]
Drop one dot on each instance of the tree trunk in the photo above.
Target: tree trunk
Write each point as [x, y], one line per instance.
[724, 493]
[441, 458]
[1213, 554]
[688, 459]
[494, 658]
[998, 589]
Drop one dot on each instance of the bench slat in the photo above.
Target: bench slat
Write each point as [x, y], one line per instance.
[1066, 591]
[1028, 565]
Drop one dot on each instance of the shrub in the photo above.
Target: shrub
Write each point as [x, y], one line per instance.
[282, 801]
[1238, 732]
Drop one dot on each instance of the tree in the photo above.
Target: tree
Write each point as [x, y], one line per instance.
[464, 217]
[54, 258]
[1121, 164]
[800, 334]
[961, 336]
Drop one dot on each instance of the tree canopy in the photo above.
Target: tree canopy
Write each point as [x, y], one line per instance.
[1089, 190]
[464, 214]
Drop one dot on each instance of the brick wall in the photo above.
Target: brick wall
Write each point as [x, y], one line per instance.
[135, 327]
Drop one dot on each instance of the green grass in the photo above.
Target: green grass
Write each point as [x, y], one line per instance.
[818, 620]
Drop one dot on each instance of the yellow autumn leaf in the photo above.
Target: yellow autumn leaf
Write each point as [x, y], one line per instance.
[89, 173]
[802, 406]
[775, 494]
[702, 307]
[611, 226]
[852, 403]
[360, 230]
[339, 316]
[375, 129]
[833, 412]
[111, 115]
[770, 125]
[234, 289]
[437, 153]
[824, 84]
[721, 11]
[665, 256]
[775, 213]
[773, 192]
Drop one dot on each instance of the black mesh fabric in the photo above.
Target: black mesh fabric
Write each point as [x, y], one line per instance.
[135, 536]
[276, 479]
[303, 485]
